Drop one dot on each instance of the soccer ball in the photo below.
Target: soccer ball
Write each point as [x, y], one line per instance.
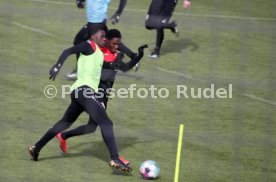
[149, 169]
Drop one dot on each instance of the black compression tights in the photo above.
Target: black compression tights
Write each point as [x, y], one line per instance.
[95, 111]
[90, 127]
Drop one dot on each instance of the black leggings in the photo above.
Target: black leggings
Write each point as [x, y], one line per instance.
[158, 18]
[97, 115]
[159, 14]
[91, 126]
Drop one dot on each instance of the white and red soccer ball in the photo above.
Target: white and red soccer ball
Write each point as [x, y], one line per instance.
[149, 169]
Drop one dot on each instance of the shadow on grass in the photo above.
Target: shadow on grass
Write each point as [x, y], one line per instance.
[96, 149]
[172, 46]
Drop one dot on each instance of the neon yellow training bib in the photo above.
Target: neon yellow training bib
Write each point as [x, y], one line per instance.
[89, 69]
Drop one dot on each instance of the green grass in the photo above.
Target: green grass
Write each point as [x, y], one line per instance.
[224, 139]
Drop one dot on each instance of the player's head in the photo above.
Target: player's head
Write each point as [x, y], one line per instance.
[114, 38]
[97, 34]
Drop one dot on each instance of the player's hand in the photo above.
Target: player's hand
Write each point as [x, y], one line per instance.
[116, 64]
[186, 4]
[115, 18]
[54, 71]
[141, 48]
[120, 56]
[80, 3]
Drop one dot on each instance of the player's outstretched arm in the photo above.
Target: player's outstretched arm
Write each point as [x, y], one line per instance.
[127, 66]
[115, 18]
[83, 47]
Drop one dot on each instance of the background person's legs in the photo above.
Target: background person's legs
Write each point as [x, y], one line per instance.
[158, 18]
[159, 40]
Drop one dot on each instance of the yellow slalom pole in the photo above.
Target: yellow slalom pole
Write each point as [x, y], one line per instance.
[180, 137]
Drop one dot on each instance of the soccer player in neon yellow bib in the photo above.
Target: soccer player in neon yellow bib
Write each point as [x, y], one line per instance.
[83, 96]
[112, 62]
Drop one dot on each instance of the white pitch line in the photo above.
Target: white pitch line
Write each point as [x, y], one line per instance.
[177, 13]
[179, 74]
[228, 17]
[31, 28]
[196, 79]
[53, 2]
[259, 99]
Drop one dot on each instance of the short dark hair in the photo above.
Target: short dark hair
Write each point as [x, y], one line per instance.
[93, 28]
[113, 33]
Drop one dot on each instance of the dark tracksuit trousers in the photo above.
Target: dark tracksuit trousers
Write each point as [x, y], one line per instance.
[159, 14]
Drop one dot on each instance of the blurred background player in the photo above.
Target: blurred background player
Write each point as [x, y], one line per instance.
[96, 13]
[83, 96]
[158, 17]
[112, 63]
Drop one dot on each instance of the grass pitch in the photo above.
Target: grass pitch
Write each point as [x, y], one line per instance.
[221, 42]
